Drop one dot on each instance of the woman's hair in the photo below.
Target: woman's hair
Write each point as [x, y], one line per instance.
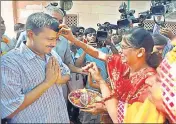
[138, 37]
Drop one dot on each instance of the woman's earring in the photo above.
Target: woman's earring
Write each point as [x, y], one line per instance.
[139, 55]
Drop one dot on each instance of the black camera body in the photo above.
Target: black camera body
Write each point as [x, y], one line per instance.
[103, 30]
[145, 15]
[159, 8]
[125, 15]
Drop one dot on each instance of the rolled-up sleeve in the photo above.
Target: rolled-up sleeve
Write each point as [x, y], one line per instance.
[11, 93]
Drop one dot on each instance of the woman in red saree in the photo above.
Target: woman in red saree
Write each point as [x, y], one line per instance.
[127, 71]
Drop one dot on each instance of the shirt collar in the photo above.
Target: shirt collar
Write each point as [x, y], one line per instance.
[26, 51]
[29, 54]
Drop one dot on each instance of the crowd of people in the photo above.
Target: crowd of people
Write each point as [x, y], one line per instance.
[134, 72]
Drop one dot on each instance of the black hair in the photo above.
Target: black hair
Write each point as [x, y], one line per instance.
[89, 30]
[18, 34]
[138, 37]
[19, 26]
[74, 29]
[159, 39]
[81, 28]
[37, 21]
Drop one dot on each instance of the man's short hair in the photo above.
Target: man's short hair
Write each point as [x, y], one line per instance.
[159, 39]
[51, 7]
[89, 30]
[37, 21]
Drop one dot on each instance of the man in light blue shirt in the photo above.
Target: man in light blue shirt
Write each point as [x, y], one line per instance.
[62, 47]
[32, 76]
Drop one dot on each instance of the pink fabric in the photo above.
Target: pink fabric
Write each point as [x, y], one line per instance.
[167, 76]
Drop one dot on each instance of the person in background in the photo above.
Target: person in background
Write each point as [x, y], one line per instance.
[159, 43]
[76, 81]
[32, 76]
[18, 28]
[167, 33]
[6, 43]
[82, 58]
[114, 43]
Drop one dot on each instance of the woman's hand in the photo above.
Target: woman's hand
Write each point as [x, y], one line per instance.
[94, 71]
[96, 108]
[66, 32]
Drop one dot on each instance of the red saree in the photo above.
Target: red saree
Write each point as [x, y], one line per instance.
[125, 88]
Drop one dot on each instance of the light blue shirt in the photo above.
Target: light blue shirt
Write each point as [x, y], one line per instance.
[5, 47]
[63, 50]
[100, 64]
[22, 70]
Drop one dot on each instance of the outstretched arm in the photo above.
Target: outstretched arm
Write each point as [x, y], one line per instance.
[66, 32]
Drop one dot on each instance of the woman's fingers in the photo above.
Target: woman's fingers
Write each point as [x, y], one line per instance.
[63, 26]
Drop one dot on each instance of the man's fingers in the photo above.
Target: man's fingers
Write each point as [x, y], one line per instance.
[50, 63]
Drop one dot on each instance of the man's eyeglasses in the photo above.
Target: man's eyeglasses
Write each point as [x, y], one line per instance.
[92, 34]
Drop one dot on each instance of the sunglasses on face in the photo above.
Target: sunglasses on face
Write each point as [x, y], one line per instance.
[92, 34]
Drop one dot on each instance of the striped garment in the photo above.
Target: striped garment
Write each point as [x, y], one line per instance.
[22, 70]
[168, 79]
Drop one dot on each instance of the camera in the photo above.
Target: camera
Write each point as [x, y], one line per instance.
[125, 16]
[104, 29]
[145, 15]
[159, 8]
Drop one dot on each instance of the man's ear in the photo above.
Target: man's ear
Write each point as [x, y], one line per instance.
[30, 34]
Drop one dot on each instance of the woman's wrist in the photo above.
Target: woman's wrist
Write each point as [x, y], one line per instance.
[102, 83]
